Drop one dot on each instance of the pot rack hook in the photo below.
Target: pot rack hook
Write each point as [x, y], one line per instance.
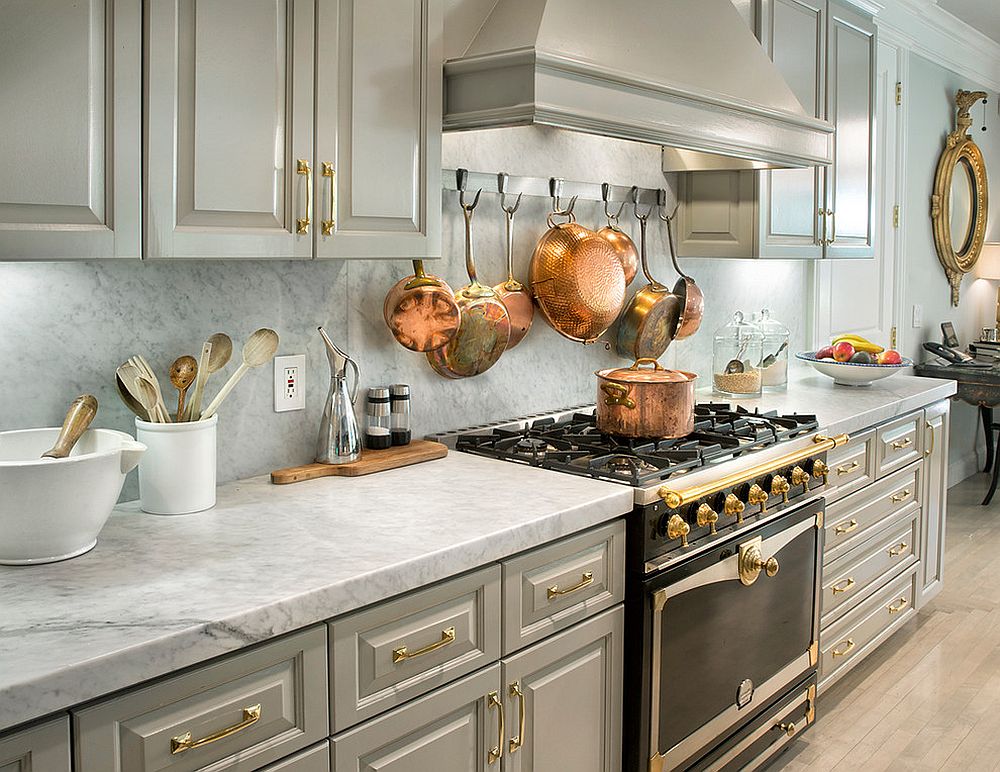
[661, 204]
[461, 180]
[502, 179]
[555, 192]
[635, 206]
[606, 196]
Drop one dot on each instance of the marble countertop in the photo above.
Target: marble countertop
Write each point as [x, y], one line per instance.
[161, 593]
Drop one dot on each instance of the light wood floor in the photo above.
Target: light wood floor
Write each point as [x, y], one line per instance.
[929, 698]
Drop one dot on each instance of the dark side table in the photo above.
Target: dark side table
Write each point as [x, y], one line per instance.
[978, 386]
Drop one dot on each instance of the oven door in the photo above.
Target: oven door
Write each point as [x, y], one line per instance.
[731, 628]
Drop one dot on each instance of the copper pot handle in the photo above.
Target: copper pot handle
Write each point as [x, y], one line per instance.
[646, 361]
[617, 395]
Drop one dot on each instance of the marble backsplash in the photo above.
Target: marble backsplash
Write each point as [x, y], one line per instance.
[66, 326]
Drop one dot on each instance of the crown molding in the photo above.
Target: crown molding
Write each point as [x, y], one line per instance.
[925, 28]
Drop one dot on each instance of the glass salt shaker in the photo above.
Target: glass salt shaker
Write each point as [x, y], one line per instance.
[378, 431]
[399, 402]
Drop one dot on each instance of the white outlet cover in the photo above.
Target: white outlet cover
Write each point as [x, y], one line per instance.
[289, 383]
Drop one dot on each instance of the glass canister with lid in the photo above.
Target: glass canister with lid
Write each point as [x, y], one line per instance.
[774, 361]
[737, 354]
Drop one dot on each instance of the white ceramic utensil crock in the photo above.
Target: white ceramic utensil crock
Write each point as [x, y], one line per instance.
[177, 475]
[53, 508]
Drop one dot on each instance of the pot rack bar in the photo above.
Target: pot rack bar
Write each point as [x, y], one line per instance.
[542, 187]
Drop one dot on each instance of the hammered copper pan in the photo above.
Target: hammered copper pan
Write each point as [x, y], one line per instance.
[690, 297]
[619, 240]
[515, 296]
[421, 311]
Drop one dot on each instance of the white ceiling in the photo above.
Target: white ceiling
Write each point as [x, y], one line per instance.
[983, 15]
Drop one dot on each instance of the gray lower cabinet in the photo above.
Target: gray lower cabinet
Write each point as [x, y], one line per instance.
[936, 440]
[40, 748]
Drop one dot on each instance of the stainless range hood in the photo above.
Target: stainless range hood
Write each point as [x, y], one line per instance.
[687, 74]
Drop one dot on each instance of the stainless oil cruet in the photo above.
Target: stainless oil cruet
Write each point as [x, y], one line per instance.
[339, 438]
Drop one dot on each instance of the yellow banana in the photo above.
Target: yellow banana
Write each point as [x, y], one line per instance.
[859, 343]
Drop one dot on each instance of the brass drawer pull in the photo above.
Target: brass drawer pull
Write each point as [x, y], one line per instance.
[517, 741]
[329, 173]
[302, 224]
[847, 584]
[901, 496]
[494, 701]
[402, 654]
[840, 530]
[898, 606]
[585, 580]
[183, 742]
[930, 432]
[895, 552]
[788, 728]
[903, 443]
[848, 468]
[848, 648]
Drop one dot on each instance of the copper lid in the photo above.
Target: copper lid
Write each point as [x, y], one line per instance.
[646, 371]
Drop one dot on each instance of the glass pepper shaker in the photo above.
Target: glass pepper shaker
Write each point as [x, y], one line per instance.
[399, 403]
[378, 433]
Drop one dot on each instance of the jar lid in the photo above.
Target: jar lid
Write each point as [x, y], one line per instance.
[739, 328]
[645, 371]
[770, 325]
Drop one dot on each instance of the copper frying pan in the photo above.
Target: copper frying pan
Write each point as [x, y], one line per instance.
[421, 311]
[515, 296]
[619, 240]
[692, 301]
[484, 330]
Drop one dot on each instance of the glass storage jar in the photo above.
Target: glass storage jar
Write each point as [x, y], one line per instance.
[774, 362]
[736, 359]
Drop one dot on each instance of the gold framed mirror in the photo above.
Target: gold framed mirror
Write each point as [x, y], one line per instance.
[960, 202]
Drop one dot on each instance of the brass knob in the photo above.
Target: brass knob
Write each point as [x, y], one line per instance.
[752, 562]
[780, 487]
[788, 728]
[733, 507]
[769, 566]
[800, 476]
[759, 496]
[820, 469]
[677, 528]
[707, 516]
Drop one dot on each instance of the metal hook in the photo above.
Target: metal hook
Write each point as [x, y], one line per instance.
[635, 206]
[555, 193]
[661, 203]
[606, 195]
[461, 180]
[502, 179]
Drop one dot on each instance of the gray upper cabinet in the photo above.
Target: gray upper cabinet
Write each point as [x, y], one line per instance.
[826, 54]
[69, 167]
[378, 128]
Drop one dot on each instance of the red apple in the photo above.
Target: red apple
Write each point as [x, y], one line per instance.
[843, 351]
[825, 353]
[890, 357]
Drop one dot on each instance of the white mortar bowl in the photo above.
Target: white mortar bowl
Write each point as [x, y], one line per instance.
[53, 509]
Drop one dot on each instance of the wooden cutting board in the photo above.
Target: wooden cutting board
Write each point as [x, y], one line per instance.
[371, 461]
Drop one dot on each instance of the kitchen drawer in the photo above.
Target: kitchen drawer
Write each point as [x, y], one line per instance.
[260, 706]
[852, 577]
[558, 585]
[392, 652]
[860, 632]
[315, 759]
[898, 443]
[852, 466]
[853, 519]
[40, 748]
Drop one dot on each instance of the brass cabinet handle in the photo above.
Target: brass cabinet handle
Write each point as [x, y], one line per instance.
[788, 728]
[847, 584]
[585, 579]
[848, 468]
[494, 701]
[402, 654]
[930, 429]
[898, 550]
[898, 606]
[848, 648]
[183, 742]
[822, 213]
[833, 225]
[901, 496]
[852, 525]
[904, 443]
[332, 175]
[518, 740]
[302, 224]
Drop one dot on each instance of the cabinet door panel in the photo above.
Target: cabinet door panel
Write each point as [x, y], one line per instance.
[230, 115]
[69, 165]
[851, 98]
[379, 127]
[935, 507]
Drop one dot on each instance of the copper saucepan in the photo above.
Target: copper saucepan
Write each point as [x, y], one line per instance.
[692, 301]
[619, 240]
[515, 296]
[421, 311]
[645, 400]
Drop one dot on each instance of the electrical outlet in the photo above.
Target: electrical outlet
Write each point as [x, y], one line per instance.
[918, 316]
[289, 383]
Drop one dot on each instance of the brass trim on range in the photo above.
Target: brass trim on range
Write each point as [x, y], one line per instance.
[183, 742]
[811, 714]
[586, 579]
[813, 653]
[678, 498]
[402, 654]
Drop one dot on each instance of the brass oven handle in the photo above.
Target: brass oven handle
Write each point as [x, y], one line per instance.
[898, 606]
[895, 552]
[586, 578]
[678, 498]
[494, 701]
[904, 443]
[517, 741]
[183, 742]
[848, 648]
[847, 584]
[852, 525]
[930, 428]
[328, 172]
[302, 224]
[848, 468]
[402, 654]
[901, 496]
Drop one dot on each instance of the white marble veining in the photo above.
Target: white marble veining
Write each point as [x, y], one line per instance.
[162, 593]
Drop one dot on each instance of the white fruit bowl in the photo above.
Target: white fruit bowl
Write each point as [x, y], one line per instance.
[52, 509]
[852, 373]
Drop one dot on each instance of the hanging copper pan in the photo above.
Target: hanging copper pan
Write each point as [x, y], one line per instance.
[515, 296]
[421, 311]
[484, 330]
[619, 240]
[692, 301]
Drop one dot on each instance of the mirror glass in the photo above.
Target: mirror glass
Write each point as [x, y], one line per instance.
[963, 212]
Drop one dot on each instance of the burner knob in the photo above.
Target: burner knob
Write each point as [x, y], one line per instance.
[677, 528]
[800, 477]
[707, 516]
[733, 508]
[757, 495]
[780, 487]
[820, 469]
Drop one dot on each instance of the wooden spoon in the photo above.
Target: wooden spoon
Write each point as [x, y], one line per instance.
[146, 392]
[129, 399]
[182, 375]
[127, 373]
[146, 371]
[215, 355]
[81, 412]
[257, 351]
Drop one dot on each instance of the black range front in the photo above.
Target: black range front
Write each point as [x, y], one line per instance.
[722, 647]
